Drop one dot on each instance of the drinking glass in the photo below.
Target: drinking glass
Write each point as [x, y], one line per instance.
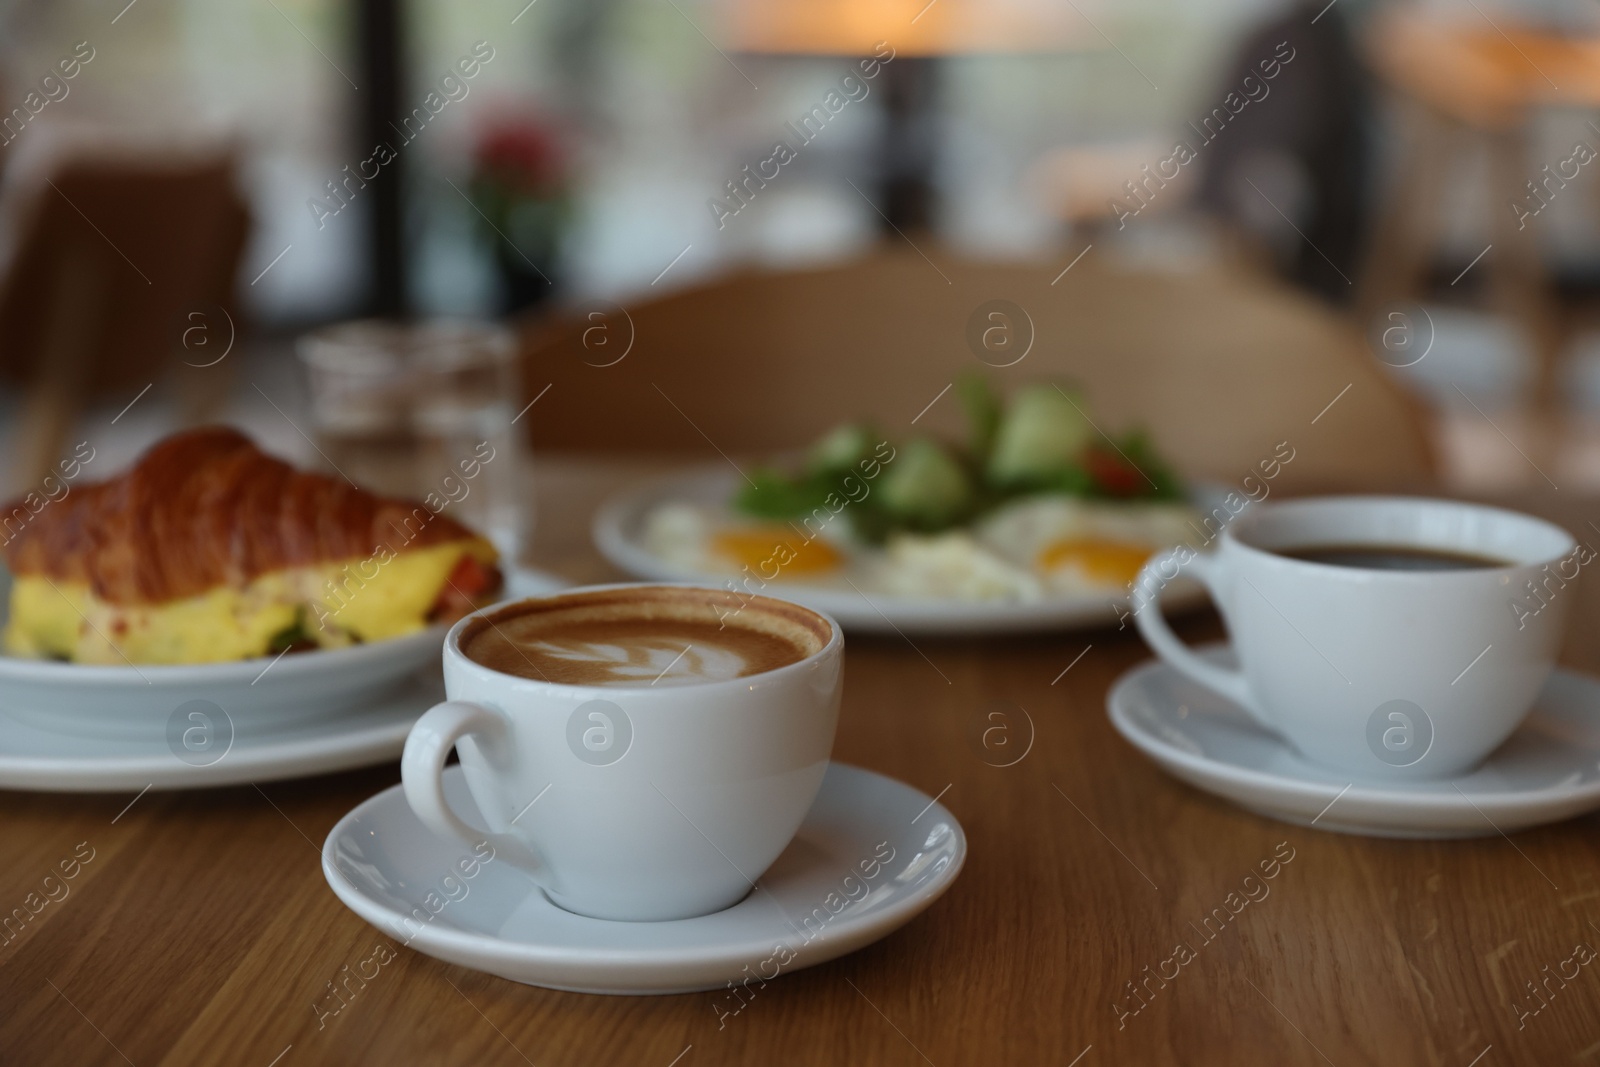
[425, 411]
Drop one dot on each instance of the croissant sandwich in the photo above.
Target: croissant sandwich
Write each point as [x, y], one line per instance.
[208, 549]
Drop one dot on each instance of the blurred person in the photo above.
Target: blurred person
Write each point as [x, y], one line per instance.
[1293, 176]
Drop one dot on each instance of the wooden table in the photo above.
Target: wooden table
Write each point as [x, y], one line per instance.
[201, 931]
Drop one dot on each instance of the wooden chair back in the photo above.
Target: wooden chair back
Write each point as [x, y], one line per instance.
[1219, 369]
[112, 255]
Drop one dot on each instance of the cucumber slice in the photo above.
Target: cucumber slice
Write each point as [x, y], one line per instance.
[1042, 436]
[840, 449]
[925, 487]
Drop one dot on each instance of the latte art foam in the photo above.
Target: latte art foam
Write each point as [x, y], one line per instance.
[648, 661]
[644, 636]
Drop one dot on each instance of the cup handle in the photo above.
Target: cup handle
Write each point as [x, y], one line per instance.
[1153, 626]
[422, 770]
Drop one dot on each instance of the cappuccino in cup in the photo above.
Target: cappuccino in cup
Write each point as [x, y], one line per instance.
[643, 752]
[652, 637]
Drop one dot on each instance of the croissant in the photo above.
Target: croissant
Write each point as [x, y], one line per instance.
[208, 549]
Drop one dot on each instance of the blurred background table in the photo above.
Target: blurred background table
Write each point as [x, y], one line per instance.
[202, 931]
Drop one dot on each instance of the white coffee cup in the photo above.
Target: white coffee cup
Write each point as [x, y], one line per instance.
[1397, 674]
[639, 802]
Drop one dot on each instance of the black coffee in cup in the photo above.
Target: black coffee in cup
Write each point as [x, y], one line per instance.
[1392, 557]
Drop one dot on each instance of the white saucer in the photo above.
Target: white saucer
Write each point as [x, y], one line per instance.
[32, 757]
[1547, 771]
[387, 868]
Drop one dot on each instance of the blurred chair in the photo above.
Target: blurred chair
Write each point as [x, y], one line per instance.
[109, 255]
[1471, 89]
[1220, 369]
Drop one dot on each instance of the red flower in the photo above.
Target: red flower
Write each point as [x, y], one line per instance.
[521, 155]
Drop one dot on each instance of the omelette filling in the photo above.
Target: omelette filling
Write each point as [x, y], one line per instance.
[327, 605]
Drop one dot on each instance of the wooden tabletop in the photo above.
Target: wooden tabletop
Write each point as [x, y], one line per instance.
[195, 928]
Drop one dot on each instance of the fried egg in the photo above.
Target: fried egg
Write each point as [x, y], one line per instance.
[952, 565]
[703, 540]
[1077, 545]
[1024, 551]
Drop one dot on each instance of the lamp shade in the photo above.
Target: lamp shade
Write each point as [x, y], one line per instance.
[910, 27]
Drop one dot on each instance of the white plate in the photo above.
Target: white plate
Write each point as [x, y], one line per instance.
[406, 881]
[619, 531]
[136, 703]
[219, 752]
[67, 727]
[1547, 771]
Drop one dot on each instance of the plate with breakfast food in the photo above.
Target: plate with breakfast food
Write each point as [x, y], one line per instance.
[211, 573]
[1037, 520]
[202, 747]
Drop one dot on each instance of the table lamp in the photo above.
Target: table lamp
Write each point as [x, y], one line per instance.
[923, 33]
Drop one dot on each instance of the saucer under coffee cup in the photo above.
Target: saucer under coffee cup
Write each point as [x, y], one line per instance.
[648, 752]
[1390, 637]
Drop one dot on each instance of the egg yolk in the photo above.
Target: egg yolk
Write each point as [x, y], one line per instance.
[775, 551]
[1113, 562]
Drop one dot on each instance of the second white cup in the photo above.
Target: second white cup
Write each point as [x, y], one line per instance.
[1398, 674]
